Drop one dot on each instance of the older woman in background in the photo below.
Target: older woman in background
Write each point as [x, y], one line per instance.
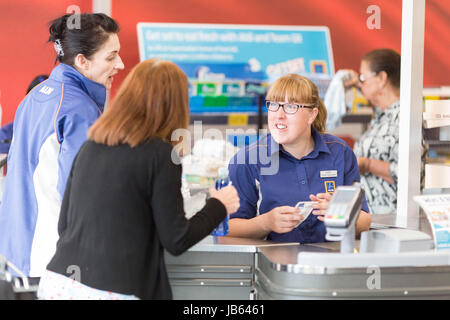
[377, 148]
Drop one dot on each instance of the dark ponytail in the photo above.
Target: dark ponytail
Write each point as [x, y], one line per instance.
[57, 28]
[85, 36]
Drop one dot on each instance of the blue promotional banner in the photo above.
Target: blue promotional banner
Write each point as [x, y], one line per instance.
[226, 64]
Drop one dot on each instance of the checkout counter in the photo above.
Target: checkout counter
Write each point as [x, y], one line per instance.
[242, 269]
[387, 263]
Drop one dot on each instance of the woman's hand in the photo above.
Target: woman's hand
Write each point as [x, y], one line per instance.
[228, 196]
[320, 207]
[282, 219]
[351, 79]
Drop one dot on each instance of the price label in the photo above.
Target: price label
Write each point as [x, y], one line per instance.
[238, 120]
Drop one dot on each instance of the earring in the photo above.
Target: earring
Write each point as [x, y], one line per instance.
[380, 87]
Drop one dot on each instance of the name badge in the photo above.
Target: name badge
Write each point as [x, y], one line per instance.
[328, 174]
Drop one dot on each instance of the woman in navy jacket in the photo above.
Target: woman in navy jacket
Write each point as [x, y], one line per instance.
[50, 125]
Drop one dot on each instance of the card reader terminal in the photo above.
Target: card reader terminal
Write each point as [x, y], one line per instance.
[343, 211]
[344, 205]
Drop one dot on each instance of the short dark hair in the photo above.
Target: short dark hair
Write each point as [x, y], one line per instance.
[86, 38]
[386, 60]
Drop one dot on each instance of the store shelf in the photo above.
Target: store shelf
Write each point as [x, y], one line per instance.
[441, 92]
[436, 134]
[437, 143]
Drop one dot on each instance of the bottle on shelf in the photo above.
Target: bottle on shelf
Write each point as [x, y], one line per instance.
[222, 181]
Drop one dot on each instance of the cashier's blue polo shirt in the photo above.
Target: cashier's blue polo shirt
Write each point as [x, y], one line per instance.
[266, 177]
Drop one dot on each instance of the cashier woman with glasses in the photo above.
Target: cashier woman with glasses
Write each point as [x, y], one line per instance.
[310, 166]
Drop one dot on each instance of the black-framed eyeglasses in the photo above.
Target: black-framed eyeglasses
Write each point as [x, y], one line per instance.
[288, 107]
[364, 77]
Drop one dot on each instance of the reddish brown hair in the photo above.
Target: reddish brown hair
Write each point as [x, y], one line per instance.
[151, 102]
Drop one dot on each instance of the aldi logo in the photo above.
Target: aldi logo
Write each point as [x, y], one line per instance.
[329, 186]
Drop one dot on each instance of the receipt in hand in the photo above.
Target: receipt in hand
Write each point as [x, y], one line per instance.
[305, 210]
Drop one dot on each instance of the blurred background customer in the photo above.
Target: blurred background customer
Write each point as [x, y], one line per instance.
[377, 149]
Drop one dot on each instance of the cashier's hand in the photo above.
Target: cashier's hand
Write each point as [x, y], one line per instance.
[228, 196]
[320, 207]
[282, 219]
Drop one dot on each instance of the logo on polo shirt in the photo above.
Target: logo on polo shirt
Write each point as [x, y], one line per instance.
[329, 186]
[46, 90]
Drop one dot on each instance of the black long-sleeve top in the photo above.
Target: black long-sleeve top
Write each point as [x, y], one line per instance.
[122, 206]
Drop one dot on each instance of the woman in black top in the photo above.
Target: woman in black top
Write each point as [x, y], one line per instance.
[123, 204]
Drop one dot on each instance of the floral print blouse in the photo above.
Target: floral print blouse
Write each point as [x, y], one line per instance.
[380, 142]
